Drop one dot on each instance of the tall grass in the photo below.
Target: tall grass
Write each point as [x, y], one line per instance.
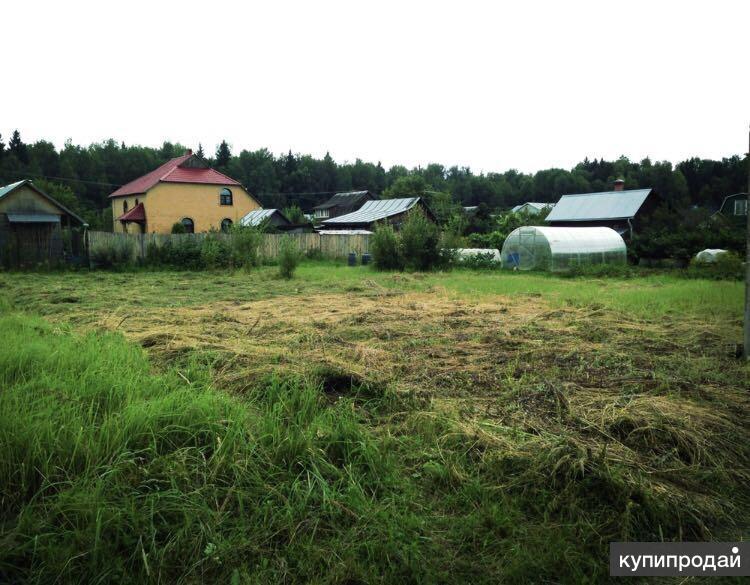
[111, 471]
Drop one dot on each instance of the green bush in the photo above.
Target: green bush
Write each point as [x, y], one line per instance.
[215, 252]
[481, 261]
[178, 228]
[420, 243]
[386, 254]
[118, 252]
[727, 266]
[245, 243]
[289, 257]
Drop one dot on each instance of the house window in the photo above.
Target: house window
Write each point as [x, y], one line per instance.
[136, 201]
[740, 207]
[125, 206]
[226, 224]
[225, 196]
[322, 213]
[189, 225]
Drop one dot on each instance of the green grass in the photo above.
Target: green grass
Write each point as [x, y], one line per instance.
[614, 420]
[646, 296]
[111, 473]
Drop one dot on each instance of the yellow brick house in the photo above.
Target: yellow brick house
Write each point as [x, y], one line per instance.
[183, 190]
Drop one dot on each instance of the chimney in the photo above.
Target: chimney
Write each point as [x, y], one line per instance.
[189, 151]
[619, 184]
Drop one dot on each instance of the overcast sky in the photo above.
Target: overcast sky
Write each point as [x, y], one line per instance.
[490, 85]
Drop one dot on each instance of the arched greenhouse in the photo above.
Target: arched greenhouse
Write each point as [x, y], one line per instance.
[560, 248]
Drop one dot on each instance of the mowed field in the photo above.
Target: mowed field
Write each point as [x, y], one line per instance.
[350, 426]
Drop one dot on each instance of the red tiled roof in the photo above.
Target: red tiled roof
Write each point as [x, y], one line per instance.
[138, 213]
[172, 172]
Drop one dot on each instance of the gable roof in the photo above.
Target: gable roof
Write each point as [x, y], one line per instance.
[175, 171]
[138, 213]
[258, 216]
[8, 189]
[347, 199]
[730, 197]
[375, 210]
[599, 206]
[535, 205]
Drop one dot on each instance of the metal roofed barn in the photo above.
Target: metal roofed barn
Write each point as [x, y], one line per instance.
[614, 209]
[561, 248]
[258, 216]
[379, 210]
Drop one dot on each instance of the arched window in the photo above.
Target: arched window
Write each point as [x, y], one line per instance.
[226, 224]
[125, 206]
[189, 225]
[225, 196]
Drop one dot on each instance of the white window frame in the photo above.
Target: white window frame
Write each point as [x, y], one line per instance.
[740, 206]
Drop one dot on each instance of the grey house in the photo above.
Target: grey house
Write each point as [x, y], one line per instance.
[342, 203]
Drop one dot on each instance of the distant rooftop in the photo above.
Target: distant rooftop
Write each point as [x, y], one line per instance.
[373, 211]
[599, 206]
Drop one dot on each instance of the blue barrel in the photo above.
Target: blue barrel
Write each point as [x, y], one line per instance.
[352, 258]
[366, 259]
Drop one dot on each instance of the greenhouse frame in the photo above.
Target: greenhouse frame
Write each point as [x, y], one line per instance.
[561, 248]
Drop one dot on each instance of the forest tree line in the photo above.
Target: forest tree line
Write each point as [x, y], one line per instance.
[83, 176]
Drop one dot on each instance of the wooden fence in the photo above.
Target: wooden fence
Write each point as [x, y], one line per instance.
[329, 246]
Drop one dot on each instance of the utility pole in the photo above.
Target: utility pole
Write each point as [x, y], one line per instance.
[746, 347]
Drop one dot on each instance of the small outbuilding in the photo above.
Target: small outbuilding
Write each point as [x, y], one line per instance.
[342, 203]
[35, 228]
[561, 248]
[618, 209]
[391, 211]
[271, 217]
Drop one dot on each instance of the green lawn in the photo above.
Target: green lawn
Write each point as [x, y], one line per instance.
[350, 426]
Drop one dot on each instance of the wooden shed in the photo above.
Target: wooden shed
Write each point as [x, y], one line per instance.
[34, 228]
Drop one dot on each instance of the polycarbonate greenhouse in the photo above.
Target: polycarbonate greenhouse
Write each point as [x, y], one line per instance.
[561, 248]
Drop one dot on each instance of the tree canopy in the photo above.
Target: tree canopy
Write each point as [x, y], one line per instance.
[92, 172]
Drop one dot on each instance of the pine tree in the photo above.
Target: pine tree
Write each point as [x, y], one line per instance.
[223, 155]
[2, 146]
[17, 147]
[200, 154]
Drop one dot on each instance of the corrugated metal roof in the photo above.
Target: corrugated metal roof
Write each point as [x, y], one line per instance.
[258, 216]
[535, 205]
[373, 211]
[33, 218]
[599, 206]
[8, 188]
[348, 199]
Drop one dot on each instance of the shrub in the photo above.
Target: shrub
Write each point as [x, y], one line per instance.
[245, 243]
[727, 266]
[178, 228]
[185, 254]
[215, 252]
[289, 257]
[385, 249]
[481, 261]
[420, 243]
[114, 253]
